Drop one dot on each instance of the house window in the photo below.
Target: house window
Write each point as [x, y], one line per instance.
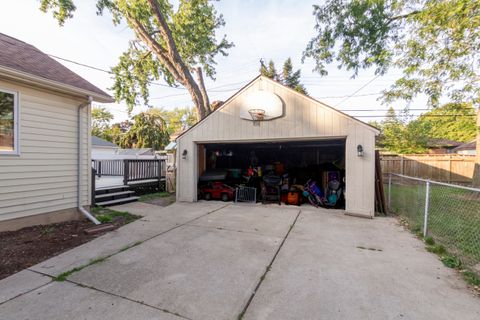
[8, 122]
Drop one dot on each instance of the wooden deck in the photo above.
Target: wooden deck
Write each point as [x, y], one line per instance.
[116, 181]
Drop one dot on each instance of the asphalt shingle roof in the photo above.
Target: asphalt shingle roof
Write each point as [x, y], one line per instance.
[21, 56]
[99, 142]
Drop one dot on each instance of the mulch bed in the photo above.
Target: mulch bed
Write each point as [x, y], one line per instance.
[28, 246]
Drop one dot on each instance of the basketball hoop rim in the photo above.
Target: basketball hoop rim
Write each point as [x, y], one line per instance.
[257, 114]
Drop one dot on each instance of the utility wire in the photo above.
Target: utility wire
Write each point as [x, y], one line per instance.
[358, 90]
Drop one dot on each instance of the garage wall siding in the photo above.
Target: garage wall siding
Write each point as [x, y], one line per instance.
[43, 177]
[303, 119]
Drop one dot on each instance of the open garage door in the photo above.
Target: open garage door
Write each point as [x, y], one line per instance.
[279, 171]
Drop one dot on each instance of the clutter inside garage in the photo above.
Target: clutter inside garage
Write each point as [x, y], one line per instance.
[292, 173]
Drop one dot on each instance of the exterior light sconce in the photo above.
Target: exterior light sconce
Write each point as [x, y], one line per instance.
[184, 154]
[359, 150]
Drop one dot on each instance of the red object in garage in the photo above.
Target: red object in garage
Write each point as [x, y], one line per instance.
[218, 191]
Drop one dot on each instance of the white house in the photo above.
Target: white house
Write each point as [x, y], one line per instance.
[44, 137]
[304, 135]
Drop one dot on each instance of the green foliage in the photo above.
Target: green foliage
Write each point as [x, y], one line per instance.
[153, 196]
[451, 261]
[460, 126]
[437, 249]
[179, 119]
[101, 118]
[433, 43]
[148, 130]
[401, 136]
[288, 77]
[106, 215]
[168, 44]
[471, 278]
[429, 241]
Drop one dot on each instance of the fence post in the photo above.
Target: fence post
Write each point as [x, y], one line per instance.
[427, 202]
[389, 191]
[99, 169]
[159, 164]
[92, 192]
[125, 171]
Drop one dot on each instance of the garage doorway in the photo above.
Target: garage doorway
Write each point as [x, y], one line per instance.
[293, 163]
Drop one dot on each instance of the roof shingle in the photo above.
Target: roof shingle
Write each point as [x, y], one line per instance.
[21, 56]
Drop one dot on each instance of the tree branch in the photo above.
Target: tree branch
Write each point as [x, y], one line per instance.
[404, 16]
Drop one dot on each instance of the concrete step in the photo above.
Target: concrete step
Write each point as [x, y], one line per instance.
[113, 194]
[117, 201]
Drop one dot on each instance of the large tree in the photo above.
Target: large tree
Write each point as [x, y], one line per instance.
[434, 43]
[169, 44]
[101, 118]
[287, 77]
[453, 121]
[148, 130]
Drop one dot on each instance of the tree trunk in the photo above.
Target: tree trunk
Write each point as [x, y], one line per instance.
[203, 90]
[172, 60]
[476, 170]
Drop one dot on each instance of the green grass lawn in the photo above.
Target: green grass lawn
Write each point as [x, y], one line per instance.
[153, 196]
[454, 216]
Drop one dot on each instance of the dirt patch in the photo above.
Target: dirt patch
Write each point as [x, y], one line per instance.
[162, 202]
[28, 246]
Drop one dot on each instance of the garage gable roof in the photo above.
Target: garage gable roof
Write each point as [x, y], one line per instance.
[303, 96]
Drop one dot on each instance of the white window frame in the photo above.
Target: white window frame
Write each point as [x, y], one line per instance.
[16, 145]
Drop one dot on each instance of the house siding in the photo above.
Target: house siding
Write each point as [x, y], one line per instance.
[42, 178]
[304, 119]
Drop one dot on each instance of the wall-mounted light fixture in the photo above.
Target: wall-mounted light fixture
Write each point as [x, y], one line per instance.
[359, 150]
[184, 154]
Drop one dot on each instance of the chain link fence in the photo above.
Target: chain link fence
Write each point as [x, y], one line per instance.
[448, 213]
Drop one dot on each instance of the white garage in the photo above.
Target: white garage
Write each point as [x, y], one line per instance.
[267, 128]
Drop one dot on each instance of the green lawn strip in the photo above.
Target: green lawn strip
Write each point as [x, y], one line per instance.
[153, 196]
[453, 224]
[454, 218]
[106, 215]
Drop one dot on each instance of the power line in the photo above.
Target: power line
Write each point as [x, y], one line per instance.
[358, 90]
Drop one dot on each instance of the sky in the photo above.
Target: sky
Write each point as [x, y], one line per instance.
[267, 29]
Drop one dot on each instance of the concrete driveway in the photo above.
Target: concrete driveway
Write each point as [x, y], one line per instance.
[212, 260]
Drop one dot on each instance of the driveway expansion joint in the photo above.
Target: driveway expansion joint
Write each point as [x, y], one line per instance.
[267, 269]
[234, 230]
[128, 299]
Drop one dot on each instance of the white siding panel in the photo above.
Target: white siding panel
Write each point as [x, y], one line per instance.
[43, 177]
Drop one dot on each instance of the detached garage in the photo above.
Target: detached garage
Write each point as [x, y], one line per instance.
[267, 130]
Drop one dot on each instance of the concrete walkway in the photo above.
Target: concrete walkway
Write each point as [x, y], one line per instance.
[213, 260]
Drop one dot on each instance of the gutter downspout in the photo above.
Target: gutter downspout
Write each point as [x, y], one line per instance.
[79, 163]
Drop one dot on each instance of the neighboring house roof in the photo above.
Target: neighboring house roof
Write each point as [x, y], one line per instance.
[135, 151]
[171, 146]
[442, 143]
[21, 57]
[99, 142]
[225, 104]
[472, 145]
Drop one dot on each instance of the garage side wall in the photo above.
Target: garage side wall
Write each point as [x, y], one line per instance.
[303, 119]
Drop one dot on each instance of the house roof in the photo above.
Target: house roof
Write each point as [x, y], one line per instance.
[225, 104]
[135, 151]
[472, 145]
[99, 142]
[24, 58]
[442, 143]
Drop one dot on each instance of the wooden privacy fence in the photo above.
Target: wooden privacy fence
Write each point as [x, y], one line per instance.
[438, 167]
